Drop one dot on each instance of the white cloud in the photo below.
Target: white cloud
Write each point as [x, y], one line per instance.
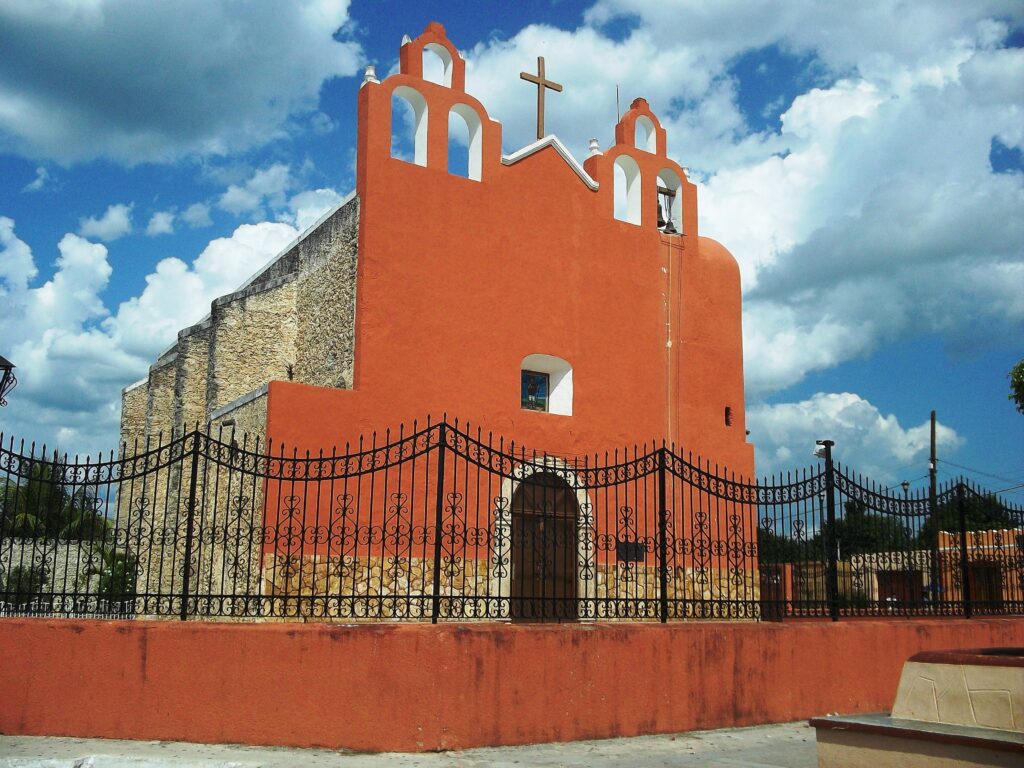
[865, 439]
[179, 294]
[322, 124]
[42, 176]
[213, 80]
[589, 66]
[197, 215]
[161, 223]
[267, 187]
[16, 265]
[74, 355]
[843, 35]
[266, 193]
[115, 223]
[306, 207]
[871, 214]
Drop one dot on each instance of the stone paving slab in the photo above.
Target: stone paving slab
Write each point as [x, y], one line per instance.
[790, 745]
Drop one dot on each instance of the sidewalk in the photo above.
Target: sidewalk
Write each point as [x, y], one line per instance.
[790, 745]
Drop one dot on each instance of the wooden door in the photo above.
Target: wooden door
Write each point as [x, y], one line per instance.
[544, 550]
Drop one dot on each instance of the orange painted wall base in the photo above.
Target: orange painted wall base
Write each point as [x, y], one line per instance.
[418, 687]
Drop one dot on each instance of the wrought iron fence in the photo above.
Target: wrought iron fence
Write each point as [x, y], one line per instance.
[444, 523]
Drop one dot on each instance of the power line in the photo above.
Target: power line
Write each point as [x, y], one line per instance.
[981, 472]
[1012, 489]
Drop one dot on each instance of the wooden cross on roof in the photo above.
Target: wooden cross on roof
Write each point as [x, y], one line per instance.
[541, 85]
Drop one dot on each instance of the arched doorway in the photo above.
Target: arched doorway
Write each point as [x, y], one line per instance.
[544, 550]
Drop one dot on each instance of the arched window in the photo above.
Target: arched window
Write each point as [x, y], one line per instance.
[409, 107]
[546, 384]
[437, 64]
[627, 189]
[670, 202]
[465, 139]
[644, 137]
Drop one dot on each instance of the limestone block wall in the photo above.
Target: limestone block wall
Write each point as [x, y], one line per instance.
[229, 510]
[133, 413]
[243, 420]
[294, 320]
[160, 402]
[344, 588]
[190, 374]
[326, 300]
[252, 340]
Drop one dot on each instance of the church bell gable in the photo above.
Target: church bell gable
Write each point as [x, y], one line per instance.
[434, 105]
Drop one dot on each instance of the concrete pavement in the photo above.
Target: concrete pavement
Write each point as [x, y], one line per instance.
[790, 745]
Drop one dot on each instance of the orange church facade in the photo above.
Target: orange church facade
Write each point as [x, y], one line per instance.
[464, 282]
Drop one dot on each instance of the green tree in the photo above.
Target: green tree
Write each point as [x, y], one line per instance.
[861, 531]
[41, 507]
[981, 513]
[776, 548]
[117, 572]
[1017, 385]
[23, 582]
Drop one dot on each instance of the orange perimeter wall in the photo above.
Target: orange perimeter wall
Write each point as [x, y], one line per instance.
[418, 687]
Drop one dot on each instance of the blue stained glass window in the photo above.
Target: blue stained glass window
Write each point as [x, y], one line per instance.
[535, 391]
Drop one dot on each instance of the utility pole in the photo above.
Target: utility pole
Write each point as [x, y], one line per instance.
[931, 461]
[933, 506]
[831, 541]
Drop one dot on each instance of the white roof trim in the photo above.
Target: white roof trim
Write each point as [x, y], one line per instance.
[238, 402]
[136, 385]
[551, 141]
[302, 236]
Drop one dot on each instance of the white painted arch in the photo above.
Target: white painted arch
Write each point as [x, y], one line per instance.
[501, 527]
[415, 100]
[442, 75]
[626, 191]
[475, 138]
[644, 136]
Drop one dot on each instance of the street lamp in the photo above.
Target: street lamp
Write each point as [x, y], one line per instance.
[7, 379]
[905, 485]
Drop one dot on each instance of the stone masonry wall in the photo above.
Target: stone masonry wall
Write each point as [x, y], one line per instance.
[160, 403]
[326, 301]
[250, 420]
[294, 320]
[252, 342]
[133, 414]
[190, 372]
[327, 588]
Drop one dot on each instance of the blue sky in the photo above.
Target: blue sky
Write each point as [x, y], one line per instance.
[862, 162]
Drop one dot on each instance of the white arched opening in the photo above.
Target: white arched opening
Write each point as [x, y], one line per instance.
[546, 384]
[437, 64]
[465, 140]
[500, 576]
[407, 104]
[670, 201]
[627, 189]
[644, 136]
